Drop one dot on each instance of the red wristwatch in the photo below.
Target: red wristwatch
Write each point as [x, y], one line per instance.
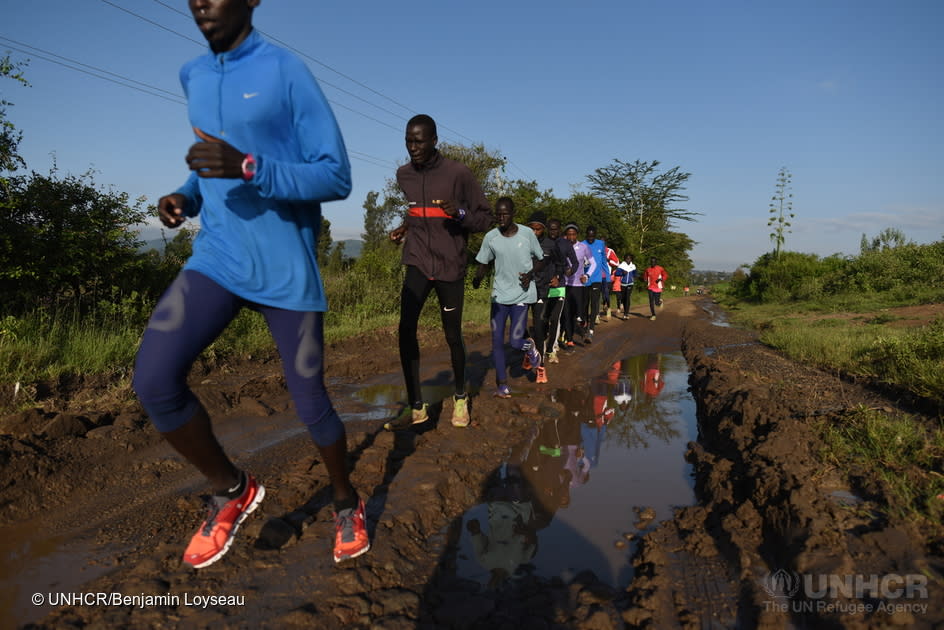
[249, 167]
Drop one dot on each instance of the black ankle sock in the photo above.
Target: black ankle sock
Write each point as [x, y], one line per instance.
[238, 489]
[418, 405]
[347, 504]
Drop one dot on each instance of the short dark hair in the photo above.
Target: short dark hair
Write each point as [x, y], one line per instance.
[423, 120]
[591, 228]
[508, 200]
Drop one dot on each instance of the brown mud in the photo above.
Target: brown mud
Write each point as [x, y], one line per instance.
[94, 503]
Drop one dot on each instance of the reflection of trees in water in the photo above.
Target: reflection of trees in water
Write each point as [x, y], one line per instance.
[631, 427]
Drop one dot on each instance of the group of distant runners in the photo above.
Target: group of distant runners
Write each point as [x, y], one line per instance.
[267, 153]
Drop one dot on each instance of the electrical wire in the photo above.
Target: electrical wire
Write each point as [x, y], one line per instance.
[67, 62]
[152, 90]
[337, 72]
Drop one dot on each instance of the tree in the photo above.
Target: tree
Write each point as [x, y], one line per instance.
[781, 209]
[65, 238]
[324, 242]
[585, 209]
[336, 261]
[178, 250]
[486, 165]
[379, 217]
[644, 197]
[10, 138]
[889, 238]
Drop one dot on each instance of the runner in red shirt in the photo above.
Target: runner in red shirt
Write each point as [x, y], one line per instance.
[654, 277]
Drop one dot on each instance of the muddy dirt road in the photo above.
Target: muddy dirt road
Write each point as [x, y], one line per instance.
[96, 509]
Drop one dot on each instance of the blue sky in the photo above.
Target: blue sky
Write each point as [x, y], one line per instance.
[847, 95]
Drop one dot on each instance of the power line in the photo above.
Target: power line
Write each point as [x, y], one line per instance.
[337, 72]
[286, 45]
[151, 90]
[120, 80]
[376, 120]
[153, 23]
[364, 157]
[309, 57]
[320, 63]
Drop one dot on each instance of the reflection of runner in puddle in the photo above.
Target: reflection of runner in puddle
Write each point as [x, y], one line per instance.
[610, 392]
[526, 496]
[511, 540]
[653, 383]
[547, 464]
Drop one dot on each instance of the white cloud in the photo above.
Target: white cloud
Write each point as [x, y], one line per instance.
[920, 223]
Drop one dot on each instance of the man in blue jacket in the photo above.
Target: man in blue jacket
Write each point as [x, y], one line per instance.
[268, 151]
[597, 278]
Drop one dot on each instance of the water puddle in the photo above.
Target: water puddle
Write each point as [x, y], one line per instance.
[718, 316]
[34, 565]
[845, 498]
[605, 466]
[384, 398]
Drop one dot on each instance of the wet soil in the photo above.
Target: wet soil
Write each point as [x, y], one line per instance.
[94, 503]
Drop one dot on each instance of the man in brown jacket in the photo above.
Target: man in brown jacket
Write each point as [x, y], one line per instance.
[446, 204]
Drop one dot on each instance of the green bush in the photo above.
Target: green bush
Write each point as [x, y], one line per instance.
[788, 277]
[915, 359]
[906, 274]
[905, 267]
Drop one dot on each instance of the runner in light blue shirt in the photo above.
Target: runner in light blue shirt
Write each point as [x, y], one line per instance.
[516, 253]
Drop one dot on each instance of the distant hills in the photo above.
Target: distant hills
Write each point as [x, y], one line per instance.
[352, 247]
[154, 243]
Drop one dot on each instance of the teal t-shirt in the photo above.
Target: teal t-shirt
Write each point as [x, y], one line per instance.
[512, 255]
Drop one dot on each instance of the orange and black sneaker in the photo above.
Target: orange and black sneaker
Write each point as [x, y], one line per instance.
[541, 375]
[213, 539]
[350, 538]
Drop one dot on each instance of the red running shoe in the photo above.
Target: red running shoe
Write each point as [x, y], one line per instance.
[213, 539]
[350, 538]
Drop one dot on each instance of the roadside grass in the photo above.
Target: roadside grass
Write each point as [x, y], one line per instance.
[44, 345]
[905, 454]
[911, 359]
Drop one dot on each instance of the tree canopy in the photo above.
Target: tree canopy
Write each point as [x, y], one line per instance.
[65, 237]
[10, 137]
[645, 198]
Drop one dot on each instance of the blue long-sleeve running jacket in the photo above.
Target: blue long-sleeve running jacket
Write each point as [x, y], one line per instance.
[258, 238]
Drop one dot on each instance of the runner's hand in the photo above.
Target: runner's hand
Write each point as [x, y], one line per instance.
[215, 158]
[525, 279]
[449, 207]
[398, 234]
[170, 209]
